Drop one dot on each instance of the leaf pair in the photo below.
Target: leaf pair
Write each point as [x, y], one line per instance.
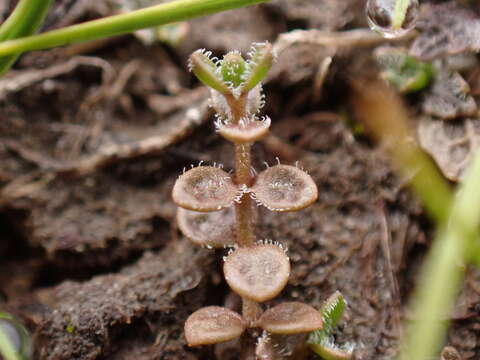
[214, 324]
[279, 188]
[211, 191]
[233, 75]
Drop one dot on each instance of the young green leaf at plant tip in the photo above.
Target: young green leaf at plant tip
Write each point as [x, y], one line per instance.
[261, 58]
[232, 68]
[207, 71]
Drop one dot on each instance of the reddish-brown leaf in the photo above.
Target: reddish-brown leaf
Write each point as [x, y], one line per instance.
[246, 131]
[213, 324]
[204, 188]
[285, 188]
[290, 318]
[259, 272]
[213, 229]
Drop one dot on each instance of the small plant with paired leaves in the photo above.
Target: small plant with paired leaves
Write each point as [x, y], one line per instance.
[321, 341]
[218, 209]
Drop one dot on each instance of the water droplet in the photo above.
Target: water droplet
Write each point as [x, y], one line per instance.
[381, 17]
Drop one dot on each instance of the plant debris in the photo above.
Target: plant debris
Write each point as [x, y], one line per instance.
[446, 29]
[451, 144]
[449, 97]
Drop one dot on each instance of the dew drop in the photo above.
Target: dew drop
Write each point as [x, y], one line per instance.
[381, 17]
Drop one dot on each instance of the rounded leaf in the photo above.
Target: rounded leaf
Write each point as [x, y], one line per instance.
[214, 229]
[213, 324]
[258, 272]
[285, 188]
[245, 131]
[290, 318]
[204, 188]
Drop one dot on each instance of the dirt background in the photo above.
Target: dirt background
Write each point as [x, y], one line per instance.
[92, 138]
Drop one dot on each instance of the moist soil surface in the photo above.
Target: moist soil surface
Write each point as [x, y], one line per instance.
[93, 137]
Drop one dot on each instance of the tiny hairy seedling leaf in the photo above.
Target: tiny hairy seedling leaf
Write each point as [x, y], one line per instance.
[285, 188]
[233, 68]
[320, 341]
[204, 188]
[290, 318]
[332, 310]
[260, 60]
[212, 325]
[214, 229]
[247, 130]
[259, 272]
[207, 71]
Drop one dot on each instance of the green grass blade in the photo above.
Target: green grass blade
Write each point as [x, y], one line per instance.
[443, 273]
[24, 20]
[380, 109]
[121, 24]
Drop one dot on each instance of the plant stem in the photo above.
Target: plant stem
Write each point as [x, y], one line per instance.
[399, 13]
[244, 223]
[24, 20]
[121, 24]
[244, 211]
[443, 272]
[251, 310]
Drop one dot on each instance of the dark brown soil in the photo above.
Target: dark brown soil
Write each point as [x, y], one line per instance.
[92, 140]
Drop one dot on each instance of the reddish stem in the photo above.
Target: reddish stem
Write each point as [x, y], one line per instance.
[244, 210]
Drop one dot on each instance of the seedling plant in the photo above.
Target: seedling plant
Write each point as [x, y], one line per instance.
[218, 209]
